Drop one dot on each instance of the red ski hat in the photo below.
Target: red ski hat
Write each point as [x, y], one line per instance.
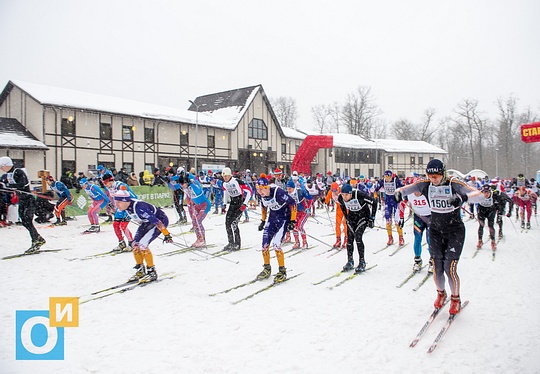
[277, 171]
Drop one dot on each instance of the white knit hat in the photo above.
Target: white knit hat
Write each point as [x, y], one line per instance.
[5, 161]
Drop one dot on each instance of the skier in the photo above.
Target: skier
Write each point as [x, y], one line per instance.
[198, 207]
[312, 189]
[524, 197]
[359, 211]
[217, 191]
[16, 180]
[240, 195]
[281, 217]
[500, 199]
[331, 198]
[99, 201]
[303, 201]
[390, 183]
[121, 218]
[64, 199]
[447, 231]
[487, 209]
[175, 185]
[421, 221]
[152, 222]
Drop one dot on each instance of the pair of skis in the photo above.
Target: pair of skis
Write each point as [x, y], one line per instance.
[413, 273]
[24, 254]
[338, 274]
[253, 294]
[123, 287]
[451, 318]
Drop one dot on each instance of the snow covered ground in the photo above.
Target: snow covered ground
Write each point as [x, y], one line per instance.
[364, 325]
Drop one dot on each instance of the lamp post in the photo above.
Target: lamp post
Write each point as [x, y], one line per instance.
[196, 134]
[496, 162]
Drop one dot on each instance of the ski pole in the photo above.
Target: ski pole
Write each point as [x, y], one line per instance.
[514, 226]
[320, 241]
[214, 256]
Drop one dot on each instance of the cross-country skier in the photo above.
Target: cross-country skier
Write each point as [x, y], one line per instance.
[152, 222]
[303, 201]
[280, 210]
[359, 211]
[421, 220]
[64, 199]
[121, 218]
[331, 198]
[524, 198]
[390, 183]
[99, 201]
[16, 180]
[447, 231]
[240, 194]
[198, 207]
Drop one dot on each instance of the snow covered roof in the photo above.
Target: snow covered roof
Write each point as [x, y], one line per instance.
[293, 134]
[403, 146]
[83, 100]
[14, 135]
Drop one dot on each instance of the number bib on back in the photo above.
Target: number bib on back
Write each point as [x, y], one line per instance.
[439, 199]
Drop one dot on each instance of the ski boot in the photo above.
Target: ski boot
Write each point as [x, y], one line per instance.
[296, 245]
[215, 212]
[455, 304]
[430, 266]
[36, 245]
[417, 264]
[349, 265]
[479, 245]
[246, 220]
[390, 240]
[281, 275]
[150, 276]
[528, 225]
[227, 247]
[92, 229]
[401, 241]
[199, 243]
[337, 244]
[267, 270]
[140, 271]
[441, 298]
[121, 247]
[304, 245]
[60, 223]
[500, 234]
[235, 247]
[361, 266]
[223, 210]
[522, 224]
[344, 244]
[493, 245]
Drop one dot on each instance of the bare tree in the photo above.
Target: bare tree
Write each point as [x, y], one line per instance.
[472, 126]
[319, 114]
[285, 110]
[359, 112]
[404, 130]
[426, 130]
[507, 126]
[334, 111]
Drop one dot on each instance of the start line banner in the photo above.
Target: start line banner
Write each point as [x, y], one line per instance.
[530, 132]
[159, 196]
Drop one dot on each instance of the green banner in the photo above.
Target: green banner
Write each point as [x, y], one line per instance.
[159, 196]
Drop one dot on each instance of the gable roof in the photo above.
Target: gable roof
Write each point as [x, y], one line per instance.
[14, 135]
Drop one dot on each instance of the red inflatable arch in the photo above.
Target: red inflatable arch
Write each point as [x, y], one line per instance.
[307, 151]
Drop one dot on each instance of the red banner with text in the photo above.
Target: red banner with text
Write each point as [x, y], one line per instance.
[530, 132]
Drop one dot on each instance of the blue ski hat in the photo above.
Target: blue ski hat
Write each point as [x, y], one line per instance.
[83, 181]
[346, 188]
[290, 184]
[262, 183]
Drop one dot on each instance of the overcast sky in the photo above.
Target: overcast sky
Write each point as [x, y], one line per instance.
[413, 54]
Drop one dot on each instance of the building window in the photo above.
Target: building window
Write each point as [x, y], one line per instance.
[105, 131]
[149, 135]
[346, 172]
[257, 129]
[211, 141]
[420, 160]
[283, 148]
[128, 166]
[390, 160]
[127, 133]
[184, 138]
[356, 173]
[68, 127]
[413, 160]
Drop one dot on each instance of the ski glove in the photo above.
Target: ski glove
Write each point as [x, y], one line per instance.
[290, 225]
[397, 195]
[509, 214]
[243, 207]
[371, 222]
[261, 226]
[168, 238]
[456, 200]
[401, 222]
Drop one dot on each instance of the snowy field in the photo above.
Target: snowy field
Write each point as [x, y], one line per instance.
[364, 325]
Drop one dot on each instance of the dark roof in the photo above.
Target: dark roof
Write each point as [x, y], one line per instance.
[14, 135]
[220, 100]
